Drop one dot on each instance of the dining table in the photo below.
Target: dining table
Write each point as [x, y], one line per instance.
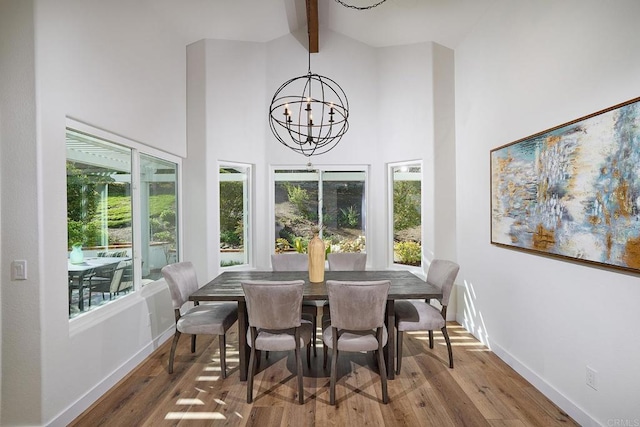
[227, 287]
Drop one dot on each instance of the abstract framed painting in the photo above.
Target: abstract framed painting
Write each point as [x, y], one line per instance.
[573, 191]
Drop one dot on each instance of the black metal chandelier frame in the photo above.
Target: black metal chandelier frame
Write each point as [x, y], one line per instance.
[345, 4]
[292, 120]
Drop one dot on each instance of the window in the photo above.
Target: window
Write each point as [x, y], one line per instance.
[234, 224]
[406, 195]
[158, 196]
[99, 220]
[333, 201]
[114, 220]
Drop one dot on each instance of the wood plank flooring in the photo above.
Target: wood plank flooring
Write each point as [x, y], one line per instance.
[480, 391]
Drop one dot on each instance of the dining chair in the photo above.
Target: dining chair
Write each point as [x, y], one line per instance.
[342, 261]
[415, 315]
[357, 324]
[213, 319]
[347, 261]
[275, 324]
[299, 262]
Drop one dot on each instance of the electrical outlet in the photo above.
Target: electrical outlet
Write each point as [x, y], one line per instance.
[592, 378]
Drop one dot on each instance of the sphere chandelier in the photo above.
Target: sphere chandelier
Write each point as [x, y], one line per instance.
[309, 113]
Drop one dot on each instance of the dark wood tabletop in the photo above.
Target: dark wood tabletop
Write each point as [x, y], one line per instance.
[227, 287]
[404, 284]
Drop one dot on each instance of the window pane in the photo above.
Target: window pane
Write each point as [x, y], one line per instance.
[159, 215]
[343, 210]
[296, 208]
[99, 221]
[234, 215]
[332, 200]
[407, 214]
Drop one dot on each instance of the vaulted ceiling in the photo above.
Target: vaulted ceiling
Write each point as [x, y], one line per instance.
[394, 22]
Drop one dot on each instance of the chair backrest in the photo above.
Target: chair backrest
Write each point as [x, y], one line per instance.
[113, 254]
[121, 279]
[347, 261]
[442, 273]
[290, 262]
[273, 304]
[182, 280]
[357, 306]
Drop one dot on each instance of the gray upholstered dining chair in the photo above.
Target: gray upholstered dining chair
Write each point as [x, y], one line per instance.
[347, 261]
[357, 324]
[299, 262]
[213, 319]
[414, 315]
[342, 261]
[275, 324]
[290, 262]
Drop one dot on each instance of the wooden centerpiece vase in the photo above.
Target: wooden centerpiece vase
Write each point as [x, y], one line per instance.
[316, 259]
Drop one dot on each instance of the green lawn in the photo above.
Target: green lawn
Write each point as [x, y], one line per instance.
[119, 208]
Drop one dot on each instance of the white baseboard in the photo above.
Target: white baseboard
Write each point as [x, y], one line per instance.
[77, 408]
[575, 412]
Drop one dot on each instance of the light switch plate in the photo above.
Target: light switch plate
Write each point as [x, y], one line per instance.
[19, 269]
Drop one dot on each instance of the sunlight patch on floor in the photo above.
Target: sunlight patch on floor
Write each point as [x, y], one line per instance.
[185, 401]
[208, 378]
[194, 416]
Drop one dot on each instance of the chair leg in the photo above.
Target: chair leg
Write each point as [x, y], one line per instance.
[193, 343]
[309, 355]
[382, 368]
[252, 370]
[399, 352]
[334, 368]
[172, 353]
[446, 338]
[430, 339]
[223, 355]
[314, 325]
[299, 368]
[325, 354]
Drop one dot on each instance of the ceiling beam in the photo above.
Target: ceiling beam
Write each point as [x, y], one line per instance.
[312, 25]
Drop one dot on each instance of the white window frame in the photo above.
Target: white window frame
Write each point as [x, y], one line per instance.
[94, 317]
[247, 206]
[390, 181]
[324, 168]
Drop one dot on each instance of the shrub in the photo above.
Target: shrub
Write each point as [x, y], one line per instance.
[299, 198]
[408, 253]
[87, 234]
[349, 217]
[282, 245]
[406, 205]
[230, 238]
[354, 245]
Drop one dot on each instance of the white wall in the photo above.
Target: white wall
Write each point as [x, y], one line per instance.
[529, 66]
[125, 73]
[21, 329]
[391, 92]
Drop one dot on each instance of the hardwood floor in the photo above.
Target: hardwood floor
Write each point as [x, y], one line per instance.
[481, 390]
